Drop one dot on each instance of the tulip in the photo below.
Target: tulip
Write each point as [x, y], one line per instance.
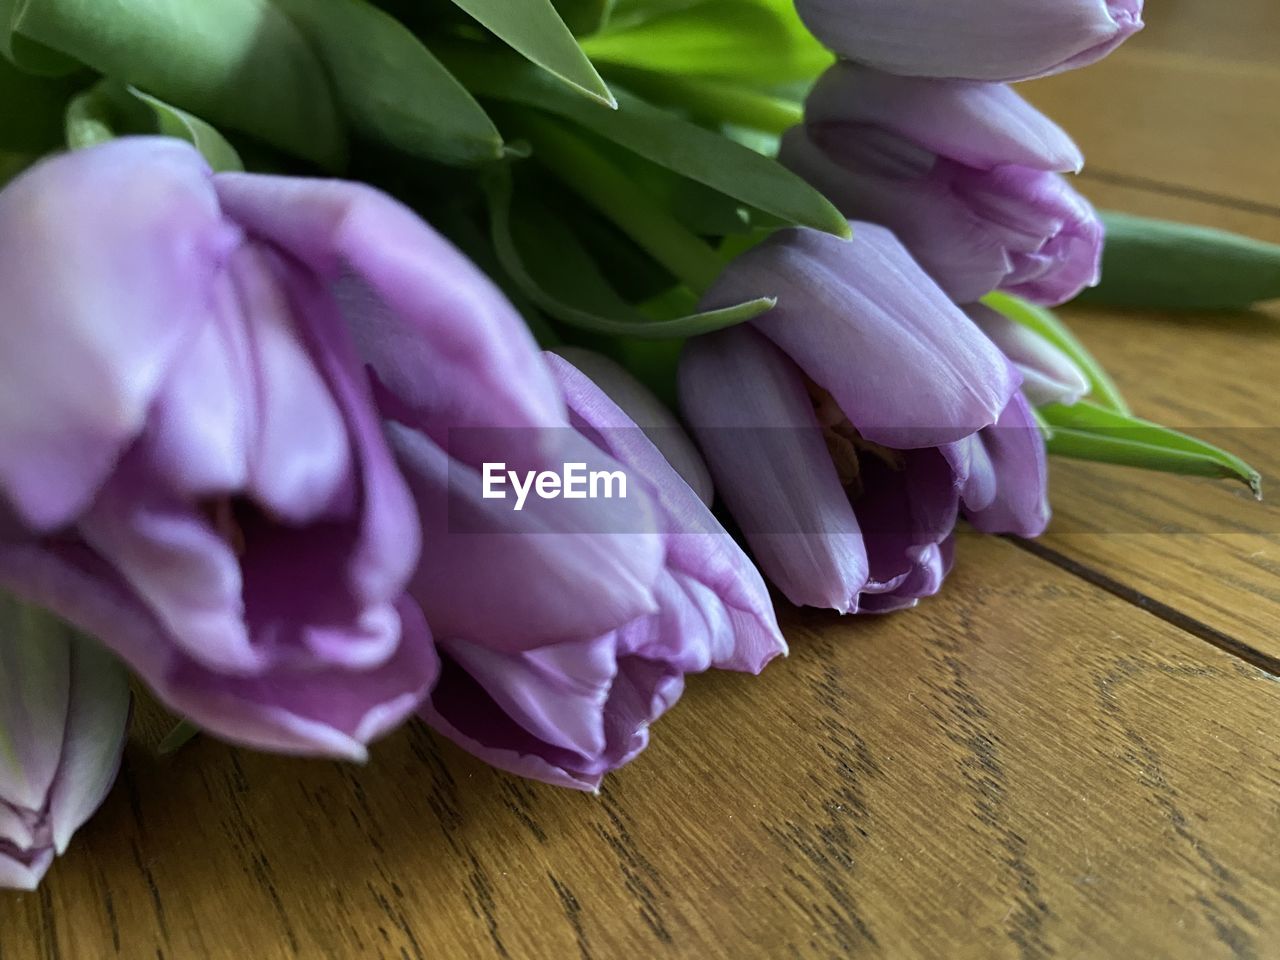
[847, 427]
[649, 414]
[189, 447]
[1048, 374]
[966, 174]
[569, 712]
[973, 39]
[64, 709]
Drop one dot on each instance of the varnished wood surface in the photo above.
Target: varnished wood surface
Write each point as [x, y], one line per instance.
[1069, 754]
[1185, 124]
[1025, 768]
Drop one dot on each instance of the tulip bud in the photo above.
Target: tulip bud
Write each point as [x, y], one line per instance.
[650, 415]
[64, 707]
[973, 39]
[1048, 374]
[965, 174]
[847, 427]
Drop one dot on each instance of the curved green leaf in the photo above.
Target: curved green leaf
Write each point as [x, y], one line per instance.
[1085, 431]
[685, 148]
[390, 87]
[110, 109]
[555, 271]
[758, 42]
[240, 63]
[93, 117]
[1102, 389]
[535, 30]
[173, 122]
[1162, 265]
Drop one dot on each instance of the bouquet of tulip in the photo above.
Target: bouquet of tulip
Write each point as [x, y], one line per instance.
[323, 318]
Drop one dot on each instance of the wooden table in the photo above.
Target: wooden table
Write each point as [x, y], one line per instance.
[1073, 752]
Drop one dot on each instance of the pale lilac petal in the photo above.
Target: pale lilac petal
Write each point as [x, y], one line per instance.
[311, 710]
[557, 693]
[556, 570]
[747, 405]
[308, 710]
[979, 124]
[97, 727]
[647, 412]
[714, 608]
[1016, 452]
[638, 692]
[906, 366]
[413, 301]
[177, 563]
[24, 871]
[301, 456]
[973, 39]
[1048, 374]
[107, 260]
[949, 241]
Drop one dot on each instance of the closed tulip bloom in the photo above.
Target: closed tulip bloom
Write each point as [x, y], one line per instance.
[64, 710]
[189, 449]
[569, 712]
[973, 39]
[1006, 474]
[1048, 374]
[648, 413]
[847, 427]
[966, 175]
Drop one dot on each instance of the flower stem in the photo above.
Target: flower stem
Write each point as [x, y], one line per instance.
[589, 174]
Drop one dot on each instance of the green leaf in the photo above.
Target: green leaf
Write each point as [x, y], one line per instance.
[534, 29]
[758, 42]
[390, 87]
[584, 17]
[556, 272]
[713, 101]
[93, 117]
[31, 109]
[173, 122]
[1102, 389]
[183, 732]
[1085, 431]
[1162, 265]
[689, 150]
[242, 64]
[110, 109]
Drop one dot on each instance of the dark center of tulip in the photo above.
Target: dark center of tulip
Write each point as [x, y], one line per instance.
[223, 514]
[845, 444]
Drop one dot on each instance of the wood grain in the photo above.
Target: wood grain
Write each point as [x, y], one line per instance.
[1065, 755]
[1023, 768]
[1211, 128]
[1189, 102]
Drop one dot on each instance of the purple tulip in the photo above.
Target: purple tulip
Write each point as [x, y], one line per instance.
[648, 413]
[64, 710]
[847, 427]
[570, 712]
[973, 39]
[966, 174]
[195, 468]
[1048, 374]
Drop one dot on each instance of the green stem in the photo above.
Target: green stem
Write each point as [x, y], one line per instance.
[182, 733]
[713, 100]
[584, 171]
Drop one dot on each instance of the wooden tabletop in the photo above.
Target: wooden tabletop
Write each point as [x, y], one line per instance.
[1073, 752]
